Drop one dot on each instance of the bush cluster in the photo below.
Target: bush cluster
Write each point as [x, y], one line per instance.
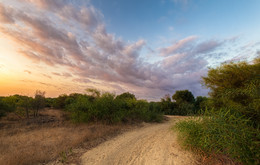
[183, 103]
[22, 106]
[222, 132]
[90, 107]
[111, 109]
[231, 126]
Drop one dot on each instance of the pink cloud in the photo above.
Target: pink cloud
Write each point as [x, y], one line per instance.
[177, 46]
[76, 40]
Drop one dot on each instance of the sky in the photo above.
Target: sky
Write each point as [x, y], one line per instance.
[146, 47]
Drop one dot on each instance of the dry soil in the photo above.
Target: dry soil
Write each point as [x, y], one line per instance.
[153, 144]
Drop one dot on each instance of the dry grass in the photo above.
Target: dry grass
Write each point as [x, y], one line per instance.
[32, 143]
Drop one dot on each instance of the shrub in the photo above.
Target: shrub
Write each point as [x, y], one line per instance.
[110, 109]
[59, 102]
[184, 109]
[3, 108]
[81, 110]
[236, 86]
[222, 132]
[200, 105]
[232, 126]
[8, 104]
[166, 105]
[183, 103]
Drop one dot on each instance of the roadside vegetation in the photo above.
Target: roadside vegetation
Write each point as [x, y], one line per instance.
[50, 138]
[182, 103]
[89, 107]
[229, 127]
[39, 129]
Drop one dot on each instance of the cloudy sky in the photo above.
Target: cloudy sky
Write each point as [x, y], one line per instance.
[147, 47]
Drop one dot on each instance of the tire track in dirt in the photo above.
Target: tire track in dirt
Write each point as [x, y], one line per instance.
[154, 144]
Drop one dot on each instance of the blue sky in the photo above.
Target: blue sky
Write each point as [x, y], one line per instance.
[161, 22]
[134, 19]
[147, 47]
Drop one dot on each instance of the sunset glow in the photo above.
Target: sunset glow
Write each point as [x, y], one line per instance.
[149, 48]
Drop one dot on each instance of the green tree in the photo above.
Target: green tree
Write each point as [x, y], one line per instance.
[183, 96]
[200, 104]
[126, 95]
[59, 102]
[3, 107]
[25, 104]
[236, 86]
[49, 102]
[184, 101]
[166, 105]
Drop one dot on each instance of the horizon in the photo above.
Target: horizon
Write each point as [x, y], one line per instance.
[148, 48]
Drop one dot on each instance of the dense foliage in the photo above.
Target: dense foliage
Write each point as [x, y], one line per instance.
[231, 127]
[224, 132]
[22, 106]
[236, 86]
[111, 109]
[183, 103]
[90, 107]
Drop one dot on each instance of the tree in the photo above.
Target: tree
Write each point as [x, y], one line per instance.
[183, 96]
[184, 101]
[236, 86]
[166, 105]
[126, 95]
[38, 102]
[60, 101]
[200, 104]
[3, 107]
[25, 103]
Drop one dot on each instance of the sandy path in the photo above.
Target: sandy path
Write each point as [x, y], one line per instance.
[153, 144]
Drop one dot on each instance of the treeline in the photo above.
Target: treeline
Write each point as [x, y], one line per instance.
[107, 107]
[22, 106]
[230, 125]
[94, 106]
[182, 102]
[89, 107]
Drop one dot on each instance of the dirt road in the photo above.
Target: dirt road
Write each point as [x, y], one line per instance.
[153, 144]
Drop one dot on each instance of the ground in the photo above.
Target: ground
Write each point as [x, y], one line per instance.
[151, 144]
[52, 139]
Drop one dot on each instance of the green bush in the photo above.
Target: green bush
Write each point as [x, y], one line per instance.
[8, 104]
[3, 108]
[201, 104]
[236, 86]
[183, 103]
[232, 126]
[110, 109]
[184, 109]
[81, 110]
[222, 132]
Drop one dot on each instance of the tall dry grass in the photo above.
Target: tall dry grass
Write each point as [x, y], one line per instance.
[32, 144]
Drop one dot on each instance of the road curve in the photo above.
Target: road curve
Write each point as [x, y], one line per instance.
[153, 144]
